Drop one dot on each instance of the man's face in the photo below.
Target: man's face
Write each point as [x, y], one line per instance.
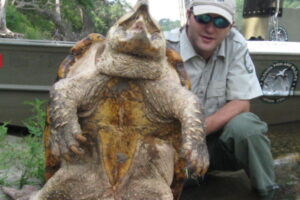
[205, 37]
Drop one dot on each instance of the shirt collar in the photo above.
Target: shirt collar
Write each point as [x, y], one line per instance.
[221, 49]
[187, 51]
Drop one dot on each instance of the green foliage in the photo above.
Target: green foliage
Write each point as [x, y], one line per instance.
[71, 14]
[32, 26]
[41, 27]
[291, 3]
[167, 24]
[86, 3]
[239, 14]
[24, 154]
[33, 161]
[3, 134]
[107, 13]
[36, 123]
[3, 131]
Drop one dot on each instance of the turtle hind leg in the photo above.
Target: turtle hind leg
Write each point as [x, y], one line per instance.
[151, 173]
[178, 179]
[148, 190]
[24, 194]
[80, 181]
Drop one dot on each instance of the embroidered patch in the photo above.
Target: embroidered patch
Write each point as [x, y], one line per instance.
[279, 81]
[248, 63]
[282, 34]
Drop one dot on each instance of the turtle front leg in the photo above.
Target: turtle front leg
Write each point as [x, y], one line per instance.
[168, 98]
[66, 97]
[187, 109]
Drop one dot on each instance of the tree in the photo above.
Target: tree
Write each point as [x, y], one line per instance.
[239, 13]
[167, 24]
[4, 31]
[48, 9]
[3, 27]
[72, 19]
[291, 4]
[107, 13]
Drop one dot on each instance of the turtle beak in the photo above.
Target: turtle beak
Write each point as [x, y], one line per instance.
[142, 5]
[137, 33]
[141, 9]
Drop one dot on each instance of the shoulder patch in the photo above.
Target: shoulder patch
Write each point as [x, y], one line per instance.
[278, 81]
[248, 62]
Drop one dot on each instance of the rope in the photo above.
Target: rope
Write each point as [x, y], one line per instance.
[275, 20]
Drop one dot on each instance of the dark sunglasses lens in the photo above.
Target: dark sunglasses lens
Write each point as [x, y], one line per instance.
[221, 22]
[204, 19]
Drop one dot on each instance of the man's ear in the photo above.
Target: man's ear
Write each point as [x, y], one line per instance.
[188, 15]
[233, 24]
[189, 12]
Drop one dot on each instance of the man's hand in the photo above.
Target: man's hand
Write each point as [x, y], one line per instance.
[231, 109]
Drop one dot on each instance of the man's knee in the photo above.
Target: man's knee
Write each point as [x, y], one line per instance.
[243, 126]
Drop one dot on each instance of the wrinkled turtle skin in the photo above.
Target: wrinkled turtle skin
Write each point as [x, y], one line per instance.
[122, 126]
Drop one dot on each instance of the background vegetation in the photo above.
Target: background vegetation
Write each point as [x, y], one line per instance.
[73, 19]
[61, 19]
[22, 161]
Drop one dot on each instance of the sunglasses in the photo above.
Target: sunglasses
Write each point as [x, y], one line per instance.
[219, 22]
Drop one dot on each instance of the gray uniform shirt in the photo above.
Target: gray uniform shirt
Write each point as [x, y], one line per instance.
[228, 75]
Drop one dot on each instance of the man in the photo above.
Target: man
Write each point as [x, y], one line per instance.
[223, 76]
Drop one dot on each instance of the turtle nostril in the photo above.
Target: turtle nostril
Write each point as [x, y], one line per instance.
[139, 25]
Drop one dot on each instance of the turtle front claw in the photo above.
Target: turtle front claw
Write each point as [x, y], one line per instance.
[65, 142]
[197, 160]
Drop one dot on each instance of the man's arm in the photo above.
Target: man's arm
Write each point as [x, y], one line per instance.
[231, 109]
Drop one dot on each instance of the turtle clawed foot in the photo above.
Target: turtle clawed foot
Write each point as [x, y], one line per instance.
[198, 161]
[66, 145]
[24, 194]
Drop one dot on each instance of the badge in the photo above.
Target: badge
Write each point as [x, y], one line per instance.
[248, 63]
[279, 81]
[282, 34]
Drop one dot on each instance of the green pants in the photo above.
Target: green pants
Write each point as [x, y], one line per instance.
[242, 144]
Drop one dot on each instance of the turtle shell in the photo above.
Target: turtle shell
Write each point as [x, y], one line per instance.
[76, 52]
[68, 65]
[119, 122]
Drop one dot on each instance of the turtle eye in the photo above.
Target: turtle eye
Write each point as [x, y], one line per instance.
[155, 36]
[136, 17]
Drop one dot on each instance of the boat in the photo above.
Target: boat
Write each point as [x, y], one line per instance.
[28, 67]
[27, 71]
[277, 68]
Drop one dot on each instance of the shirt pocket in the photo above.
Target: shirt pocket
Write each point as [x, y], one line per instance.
[215, 96]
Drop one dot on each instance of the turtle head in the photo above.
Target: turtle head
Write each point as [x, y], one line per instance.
[138, 34]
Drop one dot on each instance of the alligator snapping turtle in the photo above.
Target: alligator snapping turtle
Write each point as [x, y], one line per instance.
[122, 125]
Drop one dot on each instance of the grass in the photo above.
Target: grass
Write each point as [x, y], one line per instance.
[25, 156]
[3, 131]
